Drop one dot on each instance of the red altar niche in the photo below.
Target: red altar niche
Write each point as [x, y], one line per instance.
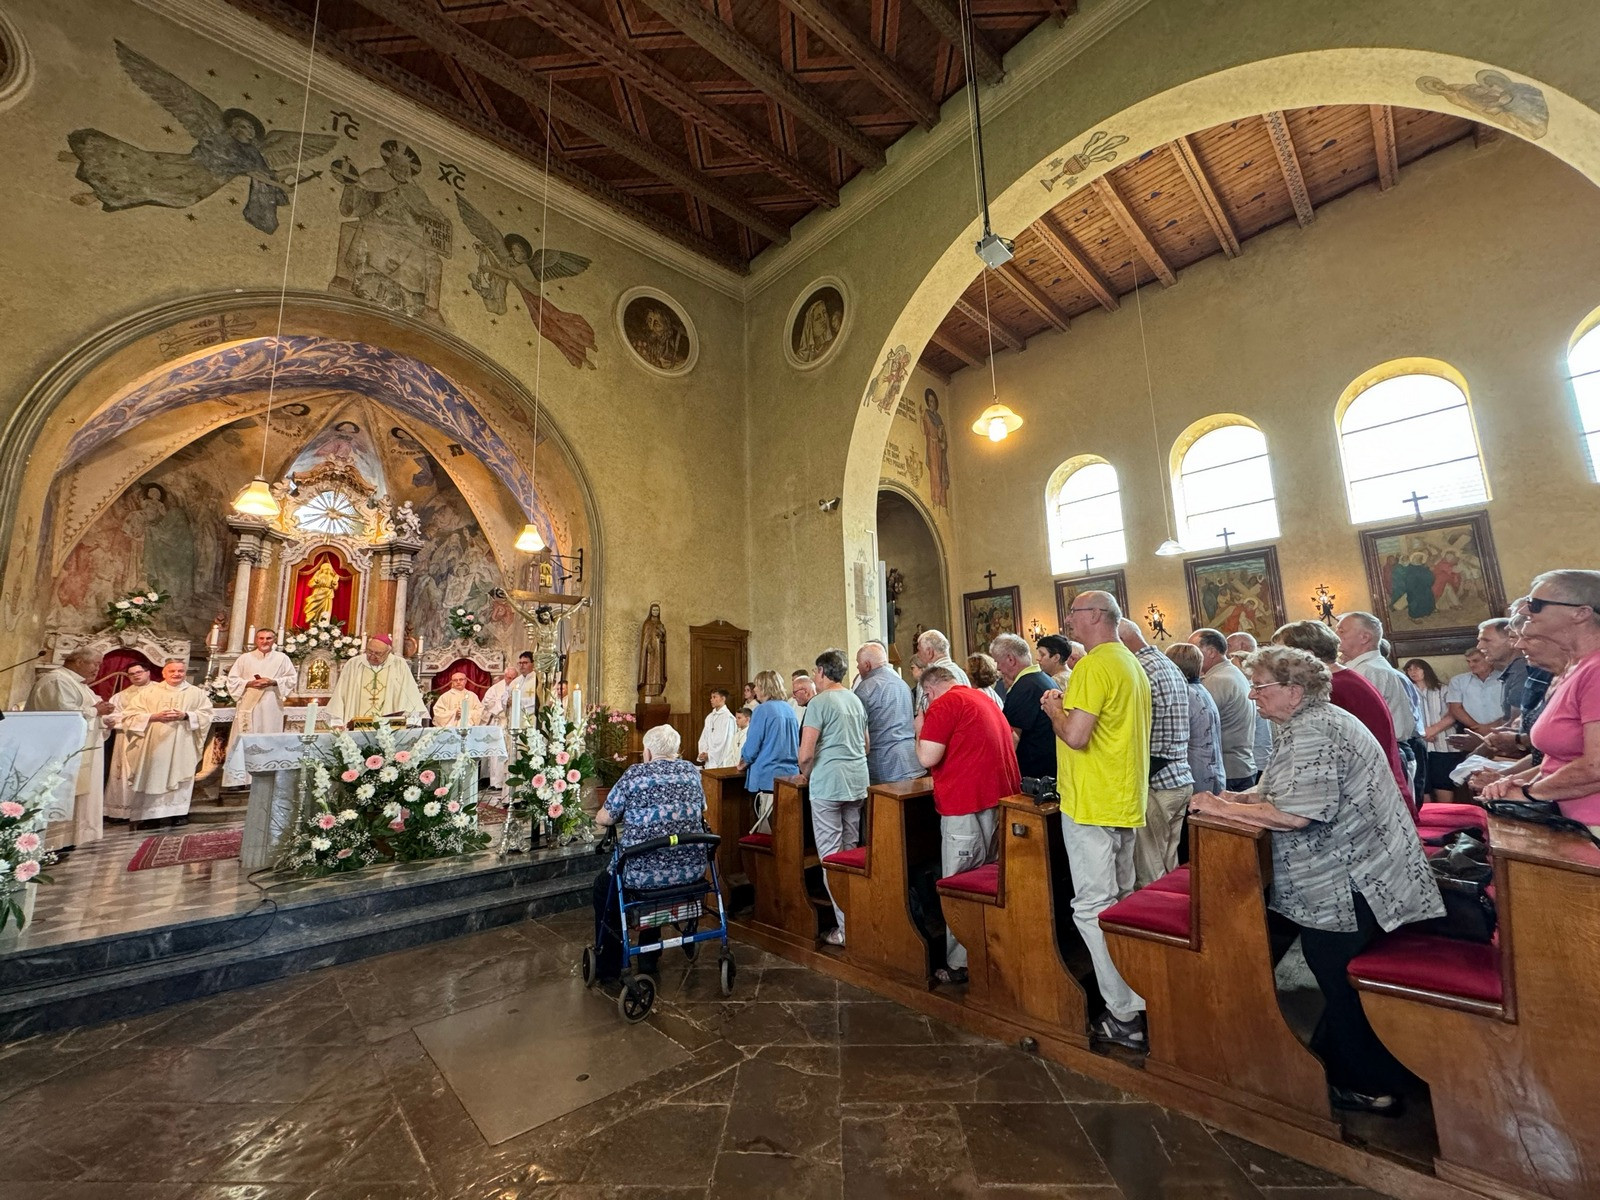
[113, 675]
[478, 680]
[323, 572]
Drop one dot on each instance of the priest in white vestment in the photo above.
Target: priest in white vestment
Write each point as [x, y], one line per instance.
[719, 739]
[166, 732]
[375, 685]
[62, 689]
[527, 682]
[457, 706]
[259, 681]
[123, 705]
[497, 710]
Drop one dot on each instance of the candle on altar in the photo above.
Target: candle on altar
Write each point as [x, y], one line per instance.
[250, 638]
[577, 706]
[421, 644]
[311, 718]
[516, 709]
[465, 718]
[214, 638]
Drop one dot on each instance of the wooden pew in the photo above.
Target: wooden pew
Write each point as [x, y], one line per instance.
[1508, 1040]
[785, 911]
[730, 813]
[1014, 967]
[870, 885]
[1203, 963]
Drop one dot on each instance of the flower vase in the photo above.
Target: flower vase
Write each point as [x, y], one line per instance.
[24, 894]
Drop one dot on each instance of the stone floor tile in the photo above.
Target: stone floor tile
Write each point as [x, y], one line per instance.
[779, 1110]
[1078, 1088]
[669, 1145]
[796, 985]
[1029, 1144]
[245, 1191]
[745, 1023]
[914, 1154]
[1154, 1154]
[1269, 1169]
[1009, 1075]
[882, 1023]
[318, 1140]
[894, 1073]
[1062, 1191]
[742, 1176]
[154, 1143]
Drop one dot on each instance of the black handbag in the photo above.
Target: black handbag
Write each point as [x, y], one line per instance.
[1541, 812]
[1463, 874]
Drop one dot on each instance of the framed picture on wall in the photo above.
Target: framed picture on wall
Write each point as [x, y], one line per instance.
[987, 615]
[1237, 592]
[1433, 581]
[1115, 582]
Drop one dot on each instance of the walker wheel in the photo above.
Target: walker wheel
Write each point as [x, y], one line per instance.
[688, 929]
[636, 999]
[590, 971]
[728, 969]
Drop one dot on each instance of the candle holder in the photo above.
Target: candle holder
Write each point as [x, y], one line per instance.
[1157, 620]
[1323, 601]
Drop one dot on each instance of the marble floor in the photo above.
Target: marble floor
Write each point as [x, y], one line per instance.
[363, 1082]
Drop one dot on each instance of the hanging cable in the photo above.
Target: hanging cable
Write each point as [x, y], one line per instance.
[1150, 392]
[980, 187]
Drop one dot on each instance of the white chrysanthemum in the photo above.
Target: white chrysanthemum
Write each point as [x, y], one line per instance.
[123, 604]
[391, 809]
[347, 814]
[459, 820]
[431, 809]
[320, 844]
[364, 792]
[413, 794]
[151, 596]
[389, 774]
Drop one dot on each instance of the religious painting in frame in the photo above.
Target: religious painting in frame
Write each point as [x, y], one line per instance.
[1433, 581]
[1067, 590]
[657, 331]
[1237, 592]
[986, 615]
[818, 321]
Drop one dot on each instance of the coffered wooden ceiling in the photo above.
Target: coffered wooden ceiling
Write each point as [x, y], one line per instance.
[1204, 194]
[719, 123]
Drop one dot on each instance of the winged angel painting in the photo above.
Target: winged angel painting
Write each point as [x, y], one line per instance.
[511, 258]
[228, 143]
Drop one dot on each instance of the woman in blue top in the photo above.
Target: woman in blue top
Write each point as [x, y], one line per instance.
[771, 745]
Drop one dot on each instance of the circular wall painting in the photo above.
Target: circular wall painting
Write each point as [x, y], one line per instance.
[658, 331]
[817, 324]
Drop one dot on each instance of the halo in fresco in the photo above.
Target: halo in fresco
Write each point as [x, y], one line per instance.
[817, 324]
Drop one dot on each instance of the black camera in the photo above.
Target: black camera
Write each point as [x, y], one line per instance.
[1042, 789]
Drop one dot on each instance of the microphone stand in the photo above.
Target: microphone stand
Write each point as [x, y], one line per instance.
[32, 658]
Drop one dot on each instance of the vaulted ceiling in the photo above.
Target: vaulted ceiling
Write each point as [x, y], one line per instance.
[1204, 194]
[719, 123]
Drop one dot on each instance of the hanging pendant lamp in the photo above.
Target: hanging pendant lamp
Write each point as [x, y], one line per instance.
[256, 500]
[997, 423]
[529, 541]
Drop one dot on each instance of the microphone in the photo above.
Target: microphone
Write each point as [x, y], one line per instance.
[25, 661]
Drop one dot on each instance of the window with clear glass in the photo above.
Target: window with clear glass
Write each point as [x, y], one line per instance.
[1408, 446]
[1084, 514]
[329, 512]
[1583, 364]
[1225, 485]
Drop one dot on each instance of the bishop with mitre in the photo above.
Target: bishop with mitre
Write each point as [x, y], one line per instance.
[166, 729]
[63, 689]
[259, 681]
[375, 685]
[457, 706]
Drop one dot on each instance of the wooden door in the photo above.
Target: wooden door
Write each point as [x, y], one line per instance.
[717, 659]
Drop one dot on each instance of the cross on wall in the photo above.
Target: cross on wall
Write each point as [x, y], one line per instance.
[1415, 501]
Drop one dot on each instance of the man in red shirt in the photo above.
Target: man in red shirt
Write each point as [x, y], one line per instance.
[965, 743]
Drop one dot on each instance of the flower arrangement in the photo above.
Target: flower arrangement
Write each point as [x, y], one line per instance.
[467, 626]
[327, 634]
[23, 857]
[384, 803]
[609, 731]
[217, 692]
[547, 769]
[136, 610]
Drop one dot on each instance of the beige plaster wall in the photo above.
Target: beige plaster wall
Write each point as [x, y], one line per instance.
[1485, 259]
[72, 270]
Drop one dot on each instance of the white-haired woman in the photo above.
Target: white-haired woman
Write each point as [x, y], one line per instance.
[659, 796]
[1346, 859]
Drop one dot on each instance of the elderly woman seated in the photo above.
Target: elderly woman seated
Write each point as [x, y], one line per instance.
[1346, 860]
[654, 798]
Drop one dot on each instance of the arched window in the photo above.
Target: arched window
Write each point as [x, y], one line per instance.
[1083, 508]
[1406, 439]
[1223, 481]
[1583, 366]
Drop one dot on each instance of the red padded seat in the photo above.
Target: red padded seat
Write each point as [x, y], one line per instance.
[1442, 818]
[1151, 910]
[981, 881]
[1430, 963]
[1173, 881]
[856, 859]
[757, 841]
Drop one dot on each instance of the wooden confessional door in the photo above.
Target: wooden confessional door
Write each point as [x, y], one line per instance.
[717, 659]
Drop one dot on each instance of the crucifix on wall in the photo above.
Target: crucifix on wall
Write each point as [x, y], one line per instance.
[1226, 535]
[989, 578]
[1415, 501]
[1087, 559]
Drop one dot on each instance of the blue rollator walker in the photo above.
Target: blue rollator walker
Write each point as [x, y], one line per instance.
[682, 906]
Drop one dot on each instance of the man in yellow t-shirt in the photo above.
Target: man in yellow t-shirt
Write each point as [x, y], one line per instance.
[1102, 728]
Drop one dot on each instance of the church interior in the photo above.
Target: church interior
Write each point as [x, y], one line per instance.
[479, 477]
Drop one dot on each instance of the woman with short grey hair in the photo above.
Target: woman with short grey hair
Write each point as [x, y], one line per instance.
[833, 756]
[1346, 859]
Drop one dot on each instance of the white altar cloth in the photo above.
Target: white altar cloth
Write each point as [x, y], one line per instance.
[29, 740]
[273, 762]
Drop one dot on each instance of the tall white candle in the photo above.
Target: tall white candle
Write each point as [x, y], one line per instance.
[516, 709]
[250, 638]
[465, 720]
[577, 706]
[311, 718]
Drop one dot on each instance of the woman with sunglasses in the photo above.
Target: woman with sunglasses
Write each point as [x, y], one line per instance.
[1346, 859]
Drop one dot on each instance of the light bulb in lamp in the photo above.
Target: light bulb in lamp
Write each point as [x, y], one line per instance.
[529, 541]
[256, 500]
[997, 422]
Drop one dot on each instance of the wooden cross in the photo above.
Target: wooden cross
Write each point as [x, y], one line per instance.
[1415, 501]
[1087, 559]
[1225, 535]
[989, 578]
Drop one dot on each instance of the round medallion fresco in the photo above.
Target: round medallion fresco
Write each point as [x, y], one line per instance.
[657, 331]
[817, 324]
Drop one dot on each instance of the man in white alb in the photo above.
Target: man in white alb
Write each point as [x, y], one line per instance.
[457, 705]
[166, 731]
[123, 705]
[62, 689]
[497, 709]
[259, 681]
[374, 685]
[719, 740]
[527, 682]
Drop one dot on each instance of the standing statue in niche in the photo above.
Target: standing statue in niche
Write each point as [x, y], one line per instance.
[653, 656]
[319, 600]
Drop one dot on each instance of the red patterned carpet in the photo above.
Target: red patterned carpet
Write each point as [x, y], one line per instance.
[174, 850]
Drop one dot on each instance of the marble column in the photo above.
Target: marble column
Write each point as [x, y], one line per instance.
[248, 552]
[402, 561]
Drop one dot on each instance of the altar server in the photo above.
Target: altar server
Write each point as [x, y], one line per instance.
[123, 705]
[166, 731]
[497, 709]
[375, 685]
[527, 682]
[457, 706]
[62, 689]
[719, 740]
[259, 681]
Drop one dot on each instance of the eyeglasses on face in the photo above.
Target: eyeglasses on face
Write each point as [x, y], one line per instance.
[1540, 603]
[1087, 608]
[1261, 687]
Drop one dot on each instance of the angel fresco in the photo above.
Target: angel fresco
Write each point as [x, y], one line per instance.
[511, 258]
[228, 143]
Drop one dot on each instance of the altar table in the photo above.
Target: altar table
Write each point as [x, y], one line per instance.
[273, 762]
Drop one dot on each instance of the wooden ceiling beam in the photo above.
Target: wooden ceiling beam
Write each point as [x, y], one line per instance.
[950, 346]
[1210, 203]
[1289, 164]
[1001, 330]
[595, 40]
[1060, 245]
[938, 373]
[384, 71]
[877, 67]
[1134, 232]
[423, 19]
[734, 50]
[942, 15]
[1483, 135]
[1384, 145]
[1032, 295]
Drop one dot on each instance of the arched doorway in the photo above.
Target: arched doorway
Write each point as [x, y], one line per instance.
[909, 544]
